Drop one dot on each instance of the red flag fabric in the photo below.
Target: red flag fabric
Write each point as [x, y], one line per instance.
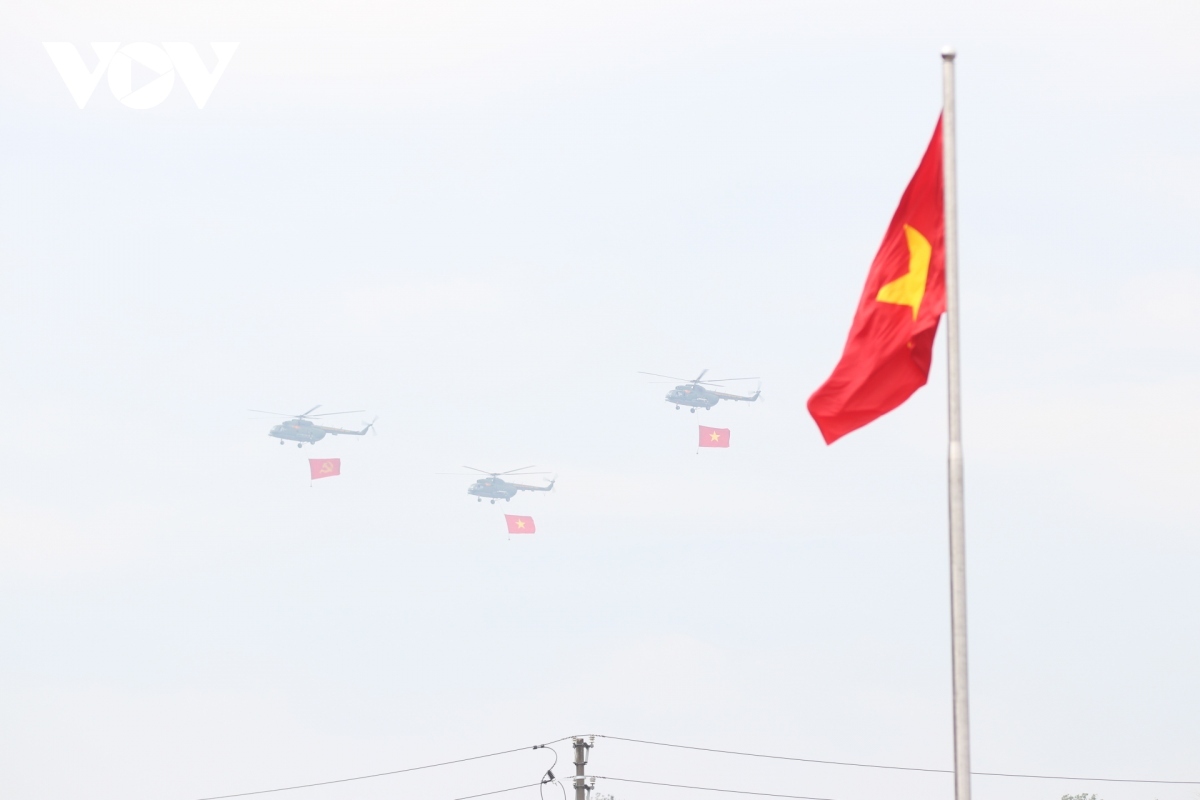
[890, 346]
[714, 437]
[519, 524]
[324, 467]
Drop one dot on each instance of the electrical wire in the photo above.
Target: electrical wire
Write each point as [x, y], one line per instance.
[498, 791]
[893, 767]
[763, 755]
[390, 772]
[711, 789]
[549, 776]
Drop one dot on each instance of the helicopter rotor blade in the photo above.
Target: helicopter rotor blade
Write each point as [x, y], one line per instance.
[518, 469]
[334, 413]
[697, 379]
[494, 474]
[656, 375]
[296, 416]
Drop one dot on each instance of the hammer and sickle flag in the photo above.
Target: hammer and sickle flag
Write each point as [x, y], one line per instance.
[890, 346]
[324, 467]
[519, 524]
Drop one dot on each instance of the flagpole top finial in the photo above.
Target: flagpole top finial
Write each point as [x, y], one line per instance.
[948, 53]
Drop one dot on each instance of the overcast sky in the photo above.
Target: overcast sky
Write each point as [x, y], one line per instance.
[478, 220]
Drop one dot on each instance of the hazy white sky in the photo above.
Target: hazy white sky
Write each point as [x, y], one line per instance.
[478, 220]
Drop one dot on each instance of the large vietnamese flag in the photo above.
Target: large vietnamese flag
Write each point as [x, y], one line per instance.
[714, 437]
[890, 346]
[519, 524]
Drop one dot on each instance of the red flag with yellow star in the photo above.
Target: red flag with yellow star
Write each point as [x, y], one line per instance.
[518, 524]
[890, 346]
[714, 437]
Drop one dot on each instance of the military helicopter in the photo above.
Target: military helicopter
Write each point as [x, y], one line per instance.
[301, 428]
[695, 393]
[496, 488]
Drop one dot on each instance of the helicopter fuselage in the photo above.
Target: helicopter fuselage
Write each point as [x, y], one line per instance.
[499, 489]
[689, 394]
[305, 431]
[697, 396]
[494, 488]
[298, 430]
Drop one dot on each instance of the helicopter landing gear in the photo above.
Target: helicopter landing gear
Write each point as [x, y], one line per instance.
[493, 502]
[676, 408]
[299, 444]
[508, 499]
[479, 499]
[282, 442]
[692, 410]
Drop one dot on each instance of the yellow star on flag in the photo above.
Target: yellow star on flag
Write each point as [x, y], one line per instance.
[909, 289]
[520, 523]
[716, 437]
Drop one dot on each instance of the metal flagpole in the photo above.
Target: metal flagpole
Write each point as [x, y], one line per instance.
[958, 556]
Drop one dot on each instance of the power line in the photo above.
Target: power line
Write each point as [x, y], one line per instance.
[709, 788]
[391, 772]
[893, 767]
[699, 749]
[776, 758]
[498, 791]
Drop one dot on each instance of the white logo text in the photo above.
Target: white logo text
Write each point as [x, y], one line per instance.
[164, 62]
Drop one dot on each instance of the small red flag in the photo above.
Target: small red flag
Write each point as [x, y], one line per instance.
[890, 346]
[714, 437]
[324, 467]
[519, 524]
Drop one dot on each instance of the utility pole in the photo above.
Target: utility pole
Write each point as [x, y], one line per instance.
[582, 745]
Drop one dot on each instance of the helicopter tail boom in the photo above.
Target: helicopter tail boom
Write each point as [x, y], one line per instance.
[727, 396]
[528, 488]
[346, 431]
